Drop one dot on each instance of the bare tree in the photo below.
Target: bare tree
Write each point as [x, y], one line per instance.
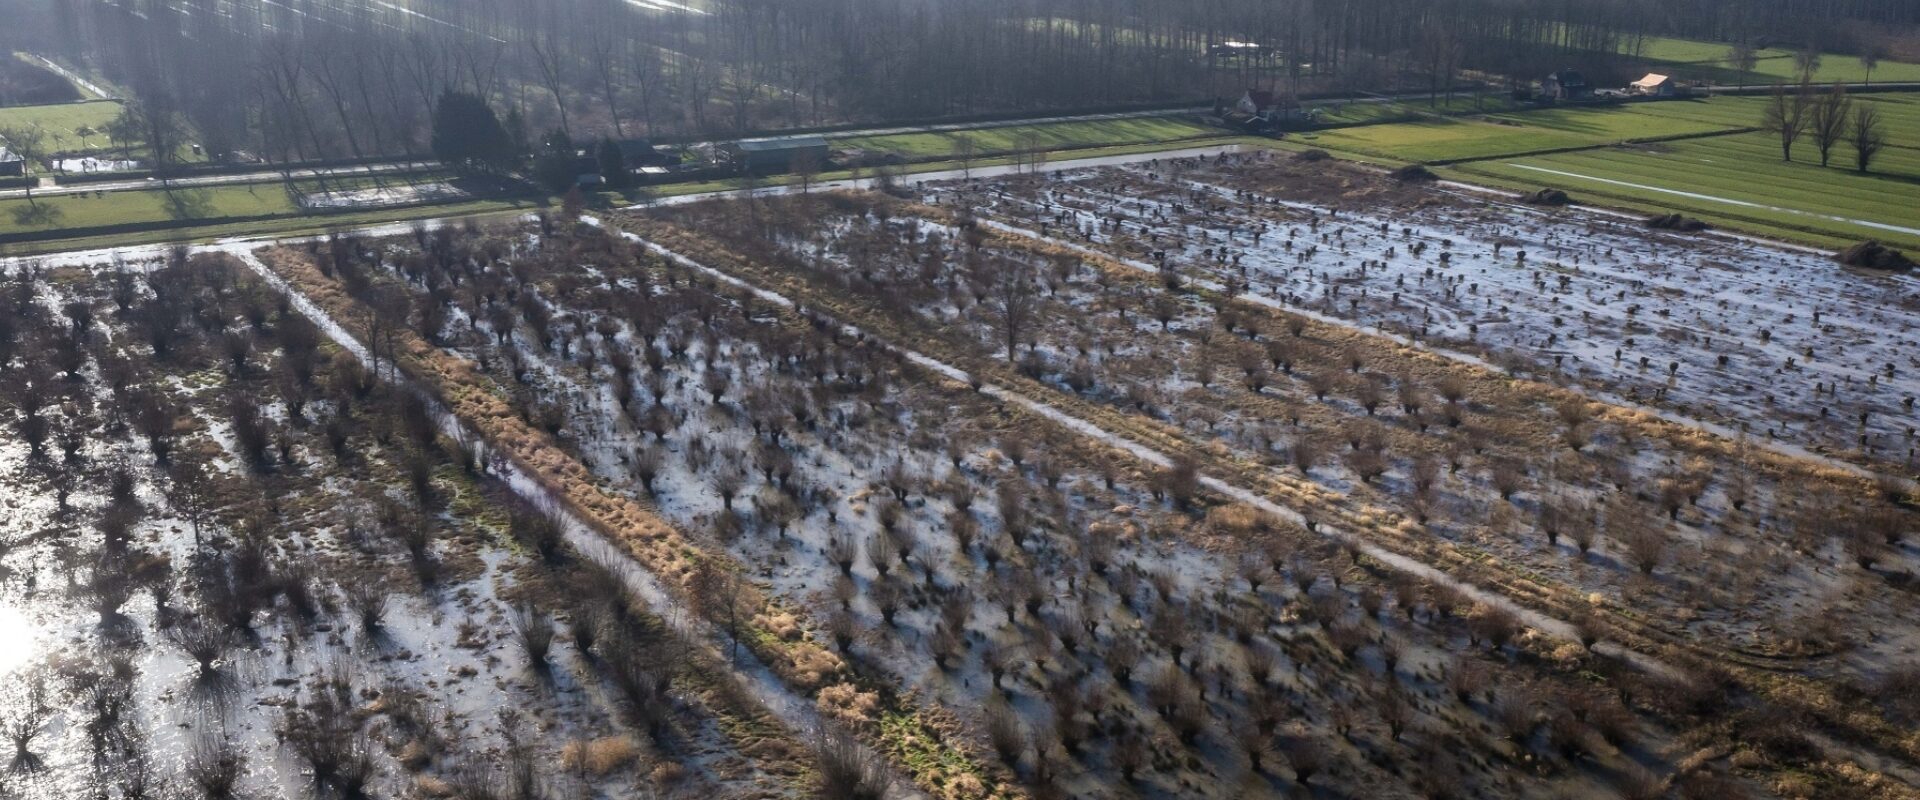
[1010, 285]
[845, 769]
[1785, 116]
[1742, 58]
[1865, 136]
[963, 152]
[806, 166]
[1828, 119]
[1870, 57]
[1806, 62]
[29, 143]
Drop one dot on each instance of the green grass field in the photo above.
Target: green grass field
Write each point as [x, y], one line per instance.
[1519, 132]
[1051, 136]
[1740, 180]
[1697, 60]
[63, 120]
[183, 206]
[1360, 113]
[1728, 175]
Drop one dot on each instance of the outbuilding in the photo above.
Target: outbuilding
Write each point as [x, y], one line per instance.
[11, 166]
[1654, 85]
[777, 155]
[1566, 84]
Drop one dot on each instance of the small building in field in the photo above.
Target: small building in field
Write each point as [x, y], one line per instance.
[1260, 109]
[777, 155]
[1566, 84]
[1253, 102]
[1654, 85]
[11, 166]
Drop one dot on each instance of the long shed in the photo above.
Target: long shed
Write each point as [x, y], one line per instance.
[777, 155]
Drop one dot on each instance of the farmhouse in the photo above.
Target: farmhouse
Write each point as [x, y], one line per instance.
[1259, 110]
[1566, 84]
[11, 166]
[1654, 85]
[772, 156]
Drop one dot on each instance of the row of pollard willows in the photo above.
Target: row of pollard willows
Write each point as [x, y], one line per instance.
[777, 254]
[1403, 454]
[171, 356]
[718, 255]
[1701, 354]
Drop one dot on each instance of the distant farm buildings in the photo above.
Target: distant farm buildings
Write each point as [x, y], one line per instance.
[1260, 110]
[1654, 85]
[1566, 84]
[11, 166]
[777, 155]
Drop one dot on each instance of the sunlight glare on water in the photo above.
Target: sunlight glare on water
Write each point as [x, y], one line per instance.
[17, 640]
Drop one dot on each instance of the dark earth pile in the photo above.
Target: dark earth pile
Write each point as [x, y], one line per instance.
[1675, 222]
[1874, 255]
[1414, 173]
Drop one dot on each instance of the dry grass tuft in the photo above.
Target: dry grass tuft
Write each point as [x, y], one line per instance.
[599, 757]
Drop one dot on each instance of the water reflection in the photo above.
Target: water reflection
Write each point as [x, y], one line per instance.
[18, 640]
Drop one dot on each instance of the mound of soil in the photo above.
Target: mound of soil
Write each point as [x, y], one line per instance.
[1874, 255]
[1315, 154]
[1547, 197]
[1676, 222]
[1413, 173]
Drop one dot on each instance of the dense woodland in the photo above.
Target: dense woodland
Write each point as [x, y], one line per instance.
[346, 78]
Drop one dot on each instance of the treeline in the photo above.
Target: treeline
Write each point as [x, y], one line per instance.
[306, 79]
[1829, 23]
